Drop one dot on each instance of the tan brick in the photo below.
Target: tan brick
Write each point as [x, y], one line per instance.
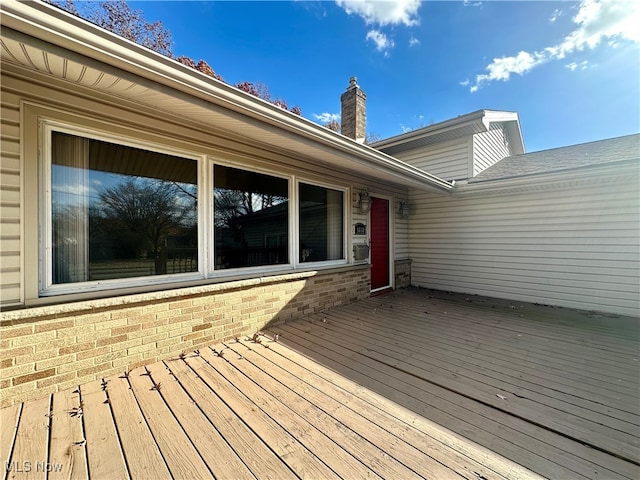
[95, 369]
[141, 334]
[33, 339]
[56, 380]
[154, 338]
[140, 348]
[125, 329]
[32, 377]
[155, 323]
[151, 356]
[193, 310]
[55, 343]
[126, 345]
[78, 347]
[92, 318]
[107, 325]
[75, 366]
[126, 313]
[72, 332]
[124, 363]
[94, 352]
[56, 361]
[111, 340]
[6, 363]
[48, 326]
[12, 332]
[180, 304]
[93, 336]
[202, 326]
[19, 393]
[169, 342]
[140, 318]
[17, 370]
[192, 336]
[155, 308]
[109, 357]
[16, 352]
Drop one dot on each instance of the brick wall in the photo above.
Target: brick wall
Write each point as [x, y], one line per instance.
[403, 273]
[47, 349]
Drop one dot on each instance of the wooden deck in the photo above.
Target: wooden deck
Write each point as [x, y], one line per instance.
[413, 384]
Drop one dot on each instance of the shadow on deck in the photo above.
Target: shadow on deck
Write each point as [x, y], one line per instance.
[412, 384]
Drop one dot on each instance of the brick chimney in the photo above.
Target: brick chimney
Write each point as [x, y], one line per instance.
[354, 115]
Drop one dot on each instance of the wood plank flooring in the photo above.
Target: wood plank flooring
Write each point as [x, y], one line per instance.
[412, 384]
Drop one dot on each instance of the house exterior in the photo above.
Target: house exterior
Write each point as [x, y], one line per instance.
[149, 210]
[557, 227]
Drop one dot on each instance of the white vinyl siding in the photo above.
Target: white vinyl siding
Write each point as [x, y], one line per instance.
[449, 161]
[489, 147]
[10, 191]
[401, 235]
[576, 246]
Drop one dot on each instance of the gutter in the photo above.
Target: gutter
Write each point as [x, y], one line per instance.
[54, 25]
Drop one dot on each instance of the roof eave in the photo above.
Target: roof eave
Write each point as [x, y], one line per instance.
[54, 25]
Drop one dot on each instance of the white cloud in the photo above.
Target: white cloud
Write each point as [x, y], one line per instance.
[388, 12]
[413, 41]
[596, 20]
[383, 43]
[326, 117]
[465, 82]
[405, 129]
[573, 66]
[469, 3]
[555, 15]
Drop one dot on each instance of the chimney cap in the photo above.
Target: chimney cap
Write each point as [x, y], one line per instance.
[353, 82]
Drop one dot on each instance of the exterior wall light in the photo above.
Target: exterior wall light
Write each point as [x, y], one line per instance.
[365, 201]
[403, 208]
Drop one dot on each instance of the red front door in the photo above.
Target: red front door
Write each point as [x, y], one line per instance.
[379, 243]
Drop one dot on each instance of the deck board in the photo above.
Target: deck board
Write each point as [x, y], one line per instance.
[30, 449]
[178, 452]
[411, 384]
[141, 451]
[105, 458]
[460, 356]
[582, 425]
[67, 452]
[256, 455]
[9, 418]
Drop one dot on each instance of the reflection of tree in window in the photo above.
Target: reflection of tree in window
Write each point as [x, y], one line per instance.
[250, 210]
[321, 224]
[120, 211]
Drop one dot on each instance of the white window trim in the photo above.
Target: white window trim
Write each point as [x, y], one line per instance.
[346, 196]
[205, 184]
[45, 281]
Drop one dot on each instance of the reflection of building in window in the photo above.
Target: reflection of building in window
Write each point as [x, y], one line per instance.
[321, 215]
[251, 218]
[120, 211]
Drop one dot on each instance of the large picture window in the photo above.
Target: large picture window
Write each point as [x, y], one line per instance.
[119, 211]
[251, 218]
[321, 213]
[128, 214]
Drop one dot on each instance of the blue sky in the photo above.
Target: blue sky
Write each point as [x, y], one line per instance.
[570, 69]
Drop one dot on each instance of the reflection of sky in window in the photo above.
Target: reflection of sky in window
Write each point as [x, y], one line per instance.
[69, 193]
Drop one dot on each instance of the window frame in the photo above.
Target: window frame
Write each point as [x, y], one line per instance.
[42, 284]
[46, 287]
[227, 272]
[345, 226]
